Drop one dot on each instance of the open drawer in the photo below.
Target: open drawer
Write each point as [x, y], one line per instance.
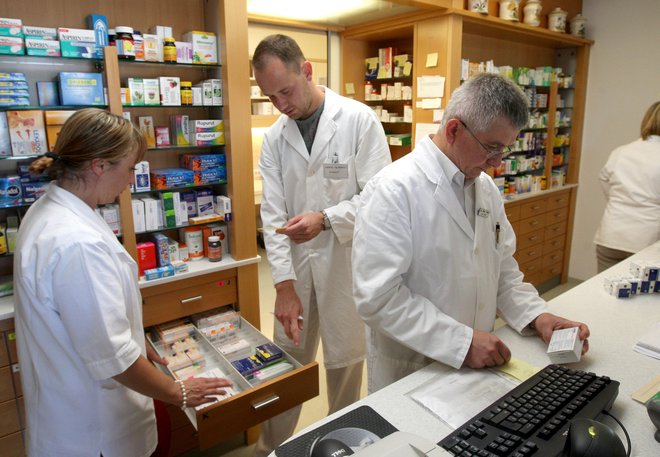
[252, 401]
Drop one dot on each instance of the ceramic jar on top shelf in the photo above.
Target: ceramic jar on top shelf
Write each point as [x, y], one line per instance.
[509, 10]
[557, 20]
[532, 13]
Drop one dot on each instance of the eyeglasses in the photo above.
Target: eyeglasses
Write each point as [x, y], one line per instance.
[491, 152]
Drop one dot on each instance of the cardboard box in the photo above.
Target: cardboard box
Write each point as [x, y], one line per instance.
[162, 250]
[110, 214]
[136, 91]
[197, 162]
[153, 48]
[5, 142]
[164, 178]
[42, 47]
[180, 130]
[48, 93]
[33, 190]
[184, 52]
[77, 43]
[223, 206]
[99, 24]
[207, 125]
[11, 27]
[151, 212]
[162, 137]
[170, 90]
[151, 88]
[10, 191]
[138, 215]
[27, 132]
[211, 175]
[54, 122]
[48, 33]
[142, 181]
[81, 88]
[204, 47]
[146, 124]
[204, 200]
[565, 346]
[12, 45]
[209, 139]
[146, 256]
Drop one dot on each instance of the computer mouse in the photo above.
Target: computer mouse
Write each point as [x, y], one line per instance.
[330, 447]
[653, 408]
[589, 438]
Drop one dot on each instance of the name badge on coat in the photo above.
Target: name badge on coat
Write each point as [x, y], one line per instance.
[335, 170]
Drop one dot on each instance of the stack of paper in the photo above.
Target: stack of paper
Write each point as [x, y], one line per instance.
[649, 343]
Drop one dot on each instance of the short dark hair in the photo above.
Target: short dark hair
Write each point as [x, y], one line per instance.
[282, 47]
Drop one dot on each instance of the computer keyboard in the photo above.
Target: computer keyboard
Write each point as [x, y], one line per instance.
[533, 418]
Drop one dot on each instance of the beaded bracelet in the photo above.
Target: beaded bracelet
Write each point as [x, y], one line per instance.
[184, 394]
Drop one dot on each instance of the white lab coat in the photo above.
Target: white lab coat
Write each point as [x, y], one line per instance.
[293, 183]
[423, 278]
[631, 182]
[78, 323]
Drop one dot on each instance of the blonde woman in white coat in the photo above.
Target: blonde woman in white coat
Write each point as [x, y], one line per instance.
[631, 182]
[433, 250]
[315, 160]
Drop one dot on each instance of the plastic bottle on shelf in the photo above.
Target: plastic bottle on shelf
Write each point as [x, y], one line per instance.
[112, 37]
[169, 50]
[214, 249]
[186, 93]
[124, 43]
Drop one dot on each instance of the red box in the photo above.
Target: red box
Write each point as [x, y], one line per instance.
[146, 254]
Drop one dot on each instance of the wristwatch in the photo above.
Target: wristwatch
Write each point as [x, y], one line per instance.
[326, 221]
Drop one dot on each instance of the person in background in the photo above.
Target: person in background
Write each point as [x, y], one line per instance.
[85, 370]
[433, 250]
[631, 182]
[315, 160]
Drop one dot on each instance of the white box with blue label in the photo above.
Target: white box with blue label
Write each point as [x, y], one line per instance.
[10, 191]
[77, 43]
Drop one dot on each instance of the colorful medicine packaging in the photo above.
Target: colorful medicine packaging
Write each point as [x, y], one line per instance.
[81, 88]
[26, 132]
[164, 178]
[77, 43]
[197, 162]
[204, 47]
[54, 122]
[10, 191]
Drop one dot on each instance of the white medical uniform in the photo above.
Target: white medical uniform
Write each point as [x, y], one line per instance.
[631, 182]
[78, 323]
[349, 148]
[424, 278]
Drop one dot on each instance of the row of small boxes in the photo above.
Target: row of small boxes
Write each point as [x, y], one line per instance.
[71, 88]
[183, 132]
[8, 234]
[166, 91]
[197, 47]
[643, 279]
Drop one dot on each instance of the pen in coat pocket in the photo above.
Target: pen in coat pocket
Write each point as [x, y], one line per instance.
[497, 234]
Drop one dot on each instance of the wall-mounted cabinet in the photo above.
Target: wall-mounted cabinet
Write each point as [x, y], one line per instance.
[442, 37]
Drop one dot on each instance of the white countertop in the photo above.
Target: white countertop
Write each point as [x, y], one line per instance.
[615, 324]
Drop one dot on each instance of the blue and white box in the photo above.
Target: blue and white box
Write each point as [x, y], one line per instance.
[99, 24]
[81, 88]
[10, 191]
[78, 43]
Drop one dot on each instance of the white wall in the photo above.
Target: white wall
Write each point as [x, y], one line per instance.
[624, 79]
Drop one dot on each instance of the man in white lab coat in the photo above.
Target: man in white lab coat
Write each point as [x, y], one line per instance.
[315, 160]
[433, 250]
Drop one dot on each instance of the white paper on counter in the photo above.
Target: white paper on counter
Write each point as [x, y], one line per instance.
[457, 397]
[649, 343]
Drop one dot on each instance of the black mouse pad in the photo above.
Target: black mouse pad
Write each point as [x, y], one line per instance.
[357, 428]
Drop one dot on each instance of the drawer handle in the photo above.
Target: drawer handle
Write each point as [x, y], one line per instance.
[263, 403]
[534, 222]
[532, 238]
[531, 253]
[191, 299]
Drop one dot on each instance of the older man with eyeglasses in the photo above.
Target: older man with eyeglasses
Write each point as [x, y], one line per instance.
[433, 250]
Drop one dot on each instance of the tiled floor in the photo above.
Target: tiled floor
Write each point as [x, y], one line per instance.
[315, 409]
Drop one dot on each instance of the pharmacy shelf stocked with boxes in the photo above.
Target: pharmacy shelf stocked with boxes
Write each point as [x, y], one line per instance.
[177, 70]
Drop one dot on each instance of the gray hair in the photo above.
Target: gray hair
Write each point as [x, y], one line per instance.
[485, 98]
[281, 47]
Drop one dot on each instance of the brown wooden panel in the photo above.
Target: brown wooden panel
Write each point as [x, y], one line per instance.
[21, 412]
[4, 354]
[533, 208]
[553, 244]
[6, 384]
[526, 255]
[16, 375]
[183, 439]
[12, 445]
[512, 211]
[559, 200]
[554, 230]
[526, 240]
[556, 215]
[531, 224]
[553, 257]
[531, 268]
[9, 422]
[551, 271]
[240, 412]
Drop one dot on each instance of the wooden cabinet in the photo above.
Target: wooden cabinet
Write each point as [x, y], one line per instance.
[12, 418]
[206, 285]
[447, 31]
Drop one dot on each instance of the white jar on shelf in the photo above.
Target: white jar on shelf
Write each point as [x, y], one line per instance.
[578, 24]
[557, 20]
[509, 10]
[478, 6]
[532, 13]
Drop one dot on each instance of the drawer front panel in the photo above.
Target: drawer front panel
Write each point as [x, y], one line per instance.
[6, 384]
[512, 212]
[554, 230]
[559, 200]
[9, 422]
[531, 224]
[552, 270]
[12, 445]
[531, 268]
[178, 303]
[533, 208]
[255, 405]
[529, 239]
[526, 255]
[4, 355]
[553, 244]
[552, 258]
[556, 215]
